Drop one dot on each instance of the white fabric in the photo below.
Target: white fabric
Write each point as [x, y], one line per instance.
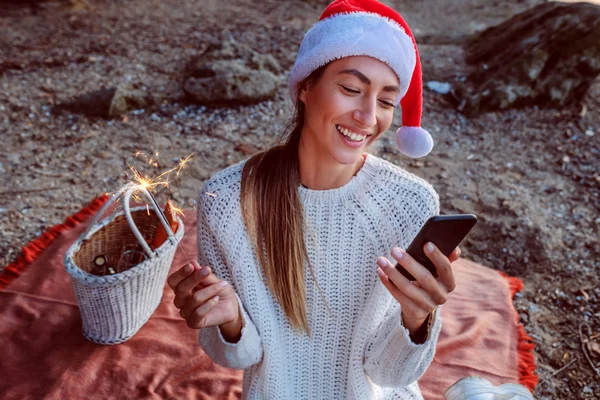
[358, 351]
[355, 34]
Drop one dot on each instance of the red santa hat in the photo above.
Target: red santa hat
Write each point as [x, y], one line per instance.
[369, 28]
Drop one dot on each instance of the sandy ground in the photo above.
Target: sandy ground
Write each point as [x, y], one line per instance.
[532, 176]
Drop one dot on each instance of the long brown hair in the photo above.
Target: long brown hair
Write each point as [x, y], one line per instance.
[274, 216]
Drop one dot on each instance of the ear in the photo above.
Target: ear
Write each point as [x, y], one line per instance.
[302, 91]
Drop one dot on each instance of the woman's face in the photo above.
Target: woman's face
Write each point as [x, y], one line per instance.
[348, 108]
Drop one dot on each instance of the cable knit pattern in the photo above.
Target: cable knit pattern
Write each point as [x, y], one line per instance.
[359, 348]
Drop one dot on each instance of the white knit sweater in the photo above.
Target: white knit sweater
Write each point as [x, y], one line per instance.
[359, 350]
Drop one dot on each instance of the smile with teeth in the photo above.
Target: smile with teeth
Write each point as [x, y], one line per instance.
[352, 136]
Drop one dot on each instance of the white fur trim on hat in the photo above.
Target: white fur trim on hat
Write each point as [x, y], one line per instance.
[355, 34]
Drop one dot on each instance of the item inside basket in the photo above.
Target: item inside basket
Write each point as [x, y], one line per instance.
[161, 234]
[114, 248]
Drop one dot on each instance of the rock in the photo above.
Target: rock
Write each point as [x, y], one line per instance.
[231, 84]
[93, 104]
[111, 102]
[226, 50]
[547, 56]
[229, 74]
[130, 97]
[439, 87]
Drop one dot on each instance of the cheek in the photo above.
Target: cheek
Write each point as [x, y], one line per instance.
[326, 107]
[385, 120]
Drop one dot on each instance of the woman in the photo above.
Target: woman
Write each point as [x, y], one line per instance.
[296, 288]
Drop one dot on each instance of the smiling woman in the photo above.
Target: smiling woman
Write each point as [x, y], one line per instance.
[345, 112]
[296, 285]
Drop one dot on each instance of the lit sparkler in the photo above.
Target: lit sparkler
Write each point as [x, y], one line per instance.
[143, 183]
[167, 227]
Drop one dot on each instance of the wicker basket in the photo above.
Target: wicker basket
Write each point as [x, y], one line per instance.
[114, 307]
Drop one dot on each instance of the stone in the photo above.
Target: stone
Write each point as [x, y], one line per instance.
[110, 102]
[230, 50]
[229, 83]
[439, 87]
[547, 56]
[130, 97]
[92, 104]
[229, 74]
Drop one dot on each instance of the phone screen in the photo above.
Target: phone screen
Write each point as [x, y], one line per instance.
[446, 232]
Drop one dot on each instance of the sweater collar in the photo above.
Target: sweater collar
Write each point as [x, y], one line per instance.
[362, 177]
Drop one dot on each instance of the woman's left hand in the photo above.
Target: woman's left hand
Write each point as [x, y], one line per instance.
[419, 298]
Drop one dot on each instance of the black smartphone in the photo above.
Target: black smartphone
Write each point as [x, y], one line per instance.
[445, 231]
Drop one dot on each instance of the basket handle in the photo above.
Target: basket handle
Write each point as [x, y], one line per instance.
[132, 225]
[129, 190]
[102, 211]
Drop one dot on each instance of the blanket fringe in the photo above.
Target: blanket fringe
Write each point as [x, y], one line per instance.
[36, 247]
[527, 375]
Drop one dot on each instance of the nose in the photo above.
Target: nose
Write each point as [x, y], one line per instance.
[365, 113]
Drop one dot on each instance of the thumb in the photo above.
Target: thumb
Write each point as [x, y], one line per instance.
[209, 280]
[455, 255]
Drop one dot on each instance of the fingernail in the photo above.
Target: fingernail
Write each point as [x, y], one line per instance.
[430, 247]
[381, 262]
[216, 299]
[380, 272]
[204, 271]
[397, 253]
[223, 283]
[187, 268]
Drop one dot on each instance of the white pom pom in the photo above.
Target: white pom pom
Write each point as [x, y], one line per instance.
[413, 141]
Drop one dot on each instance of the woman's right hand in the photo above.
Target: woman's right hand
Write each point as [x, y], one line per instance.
[202, 298]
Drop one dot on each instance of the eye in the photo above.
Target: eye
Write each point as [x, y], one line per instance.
[387, 104]
[349, 90]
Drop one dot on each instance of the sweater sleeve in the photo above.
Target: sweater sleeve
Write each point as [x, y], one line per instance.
[248, 350]
[391, 359]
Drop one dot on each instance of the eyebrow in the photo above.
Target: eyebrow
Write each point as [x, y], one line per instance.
[367, 81]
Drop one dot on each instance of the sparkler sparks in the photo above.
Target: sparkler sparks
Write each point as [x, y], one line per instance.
[139, 182]
[183, 163]
[177, 210]
[146, 183]
[151, 160]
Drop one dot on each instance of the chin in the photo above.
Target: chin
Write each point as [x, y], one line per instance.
[348, 157]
